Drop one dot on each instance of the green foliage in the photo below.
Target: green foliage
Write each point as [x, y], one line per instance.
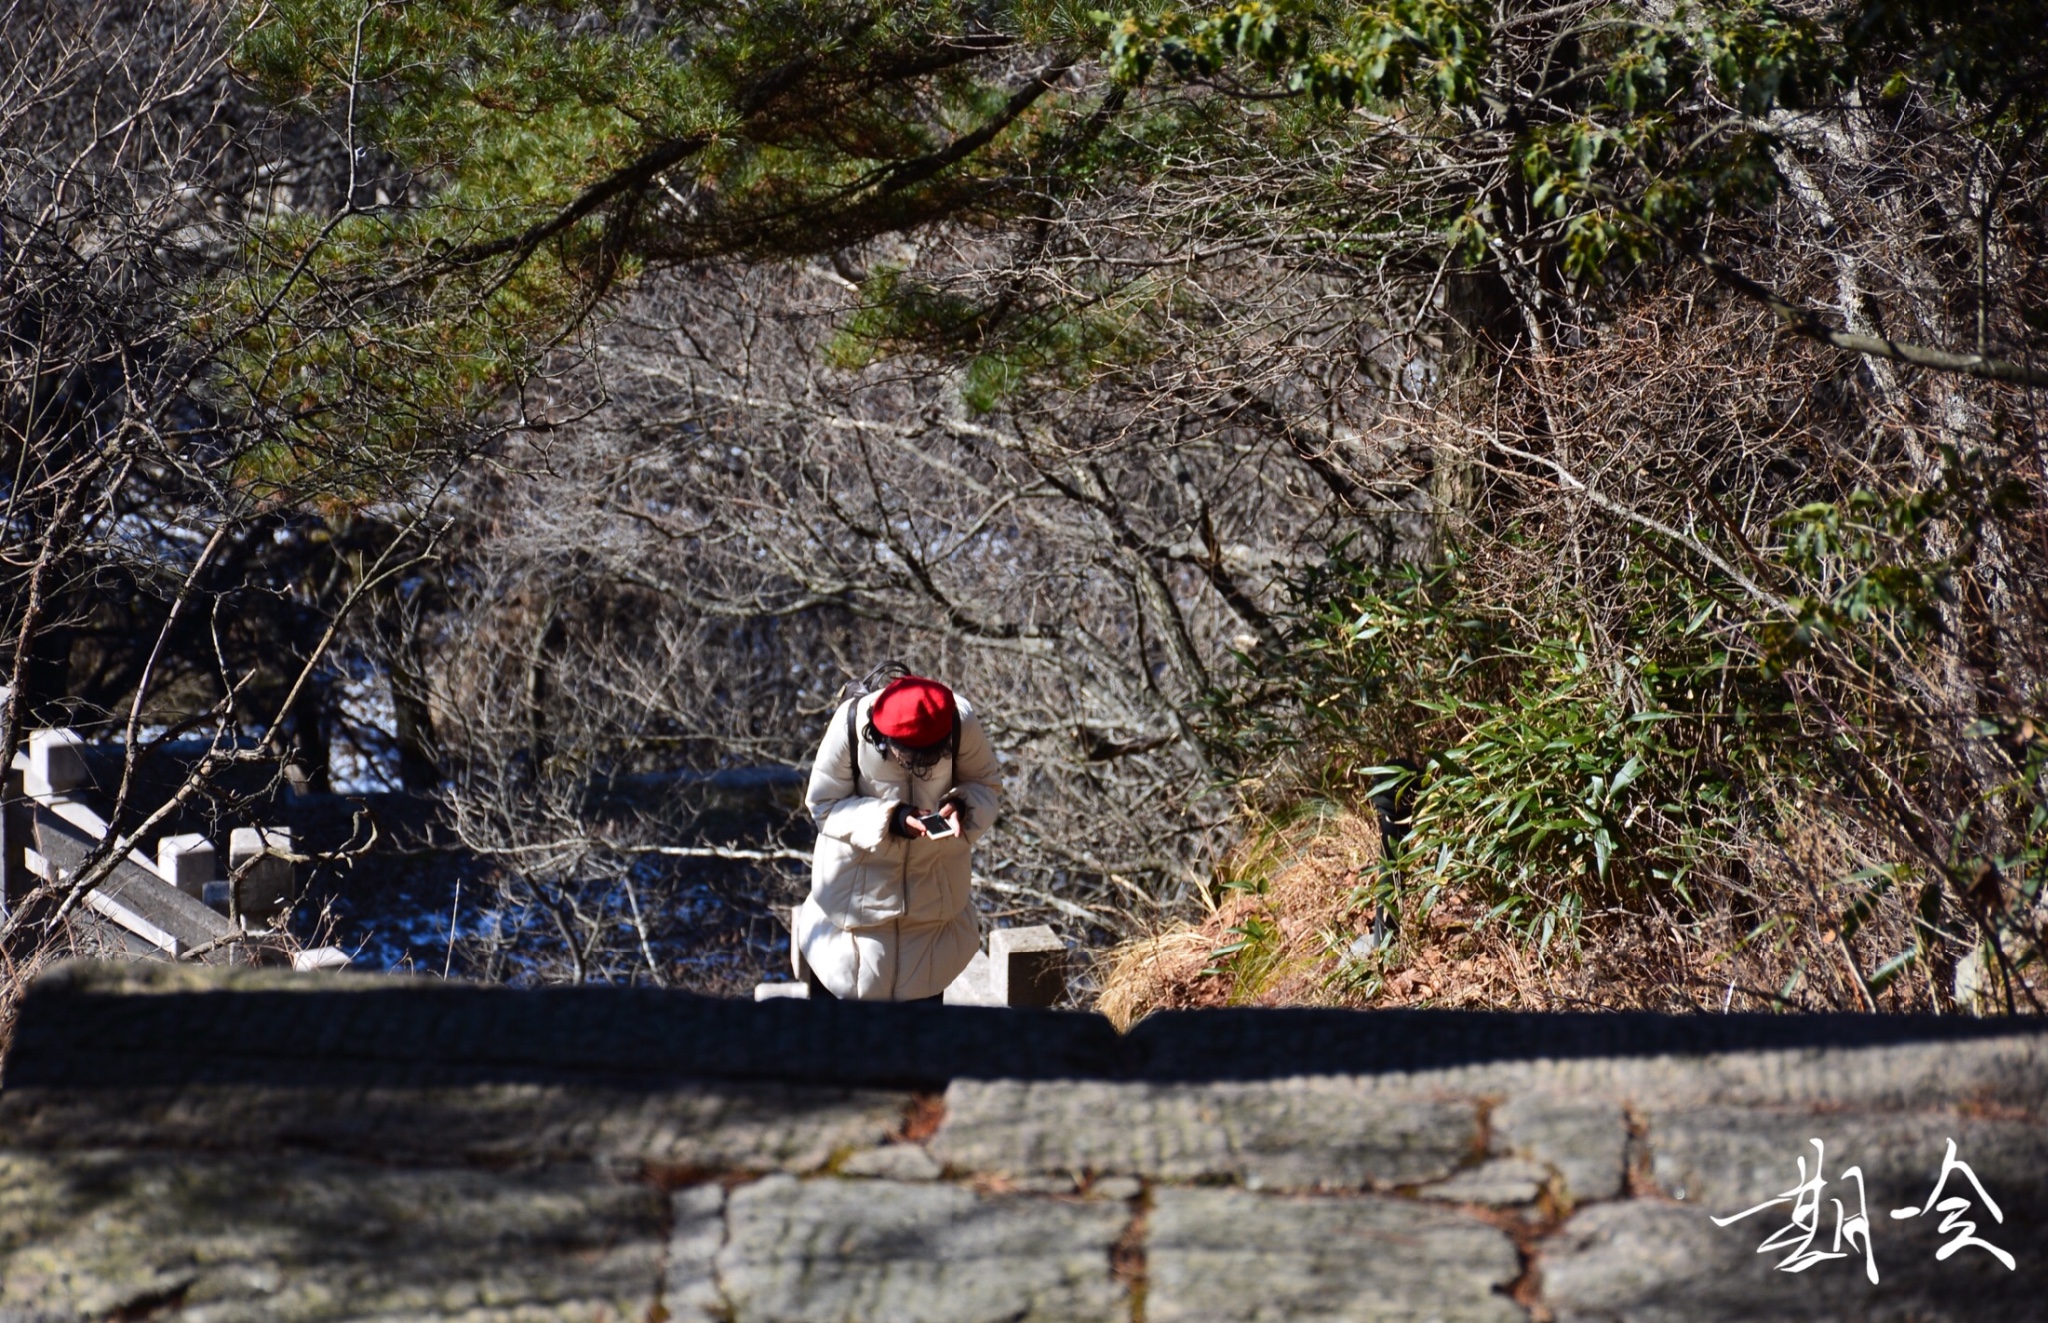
[358, 394]
[1865, 564]
[1617, 150]
[1377, 51]
[509, 164]
[1550, 768]
[1986, 52]
[1546, 783]
[1250, 959]
[896, 312]
[1251, 933]
[1005, 348]
[1544, 772]
[1633, 127]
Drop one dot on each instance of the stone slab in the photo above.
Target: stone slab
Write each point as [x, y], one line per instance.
[321, 957]
[1652, 1261]
[1663, 1260]
[260, 870]
[1729, 1158]
[976, 984]
[689, 1288]
[896, 1162]
[1498, 1181]
[82, 1024]
[805, 1251]
[1028, 966]
[733, 1126]
[188, 862]
[142, 900]
[56, 762]
[1742, 1057]
[121, 1025]
[1229, 1256]
[1584, 1140]
[1292, 1134]
[181, 1143]
[93, 1235]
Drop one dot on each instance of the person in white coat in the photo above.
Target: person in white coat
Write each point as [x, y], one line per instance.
[889, 917]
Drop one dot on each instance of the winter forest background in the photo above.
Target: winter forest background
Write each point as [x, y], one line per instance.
[1598, 444]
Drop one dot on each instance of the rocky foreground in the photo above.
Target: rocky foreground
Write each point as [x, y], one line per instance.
[225, 1145]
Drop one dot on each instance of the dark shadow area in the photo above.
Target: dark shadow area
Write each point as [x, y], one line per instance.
[360, 1032]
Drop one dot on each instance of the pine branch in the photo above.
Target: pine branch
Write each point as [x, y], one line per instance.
[924, 167]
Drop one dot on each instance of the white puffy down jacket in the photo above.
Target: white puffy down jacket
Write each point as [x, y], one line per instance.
[888, 917]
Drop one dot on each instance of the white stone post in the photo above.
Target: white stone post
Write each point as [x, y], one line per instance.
[266, 888]
[188, 862]
[778, 991]
[1030, 966]
[56, 762]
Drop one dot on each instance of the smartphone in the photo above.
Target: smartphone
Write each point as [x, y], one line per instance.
[937, 824]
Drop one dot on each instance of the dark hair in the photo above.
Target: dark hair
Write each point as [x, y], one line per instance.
[918, 759]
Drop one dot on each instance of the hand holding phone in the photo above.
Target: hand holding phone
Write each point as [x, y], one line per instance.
[937, 824]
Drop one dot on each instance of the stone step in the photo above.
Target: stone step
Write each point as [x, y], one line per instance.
[133, 896]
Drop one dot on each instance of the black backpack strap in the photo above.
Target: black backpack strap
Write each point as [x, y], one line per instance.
[852, 747]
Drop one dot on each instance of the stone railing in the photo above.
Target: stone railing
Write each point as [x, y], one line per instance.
[242, 1144]
[163, 906]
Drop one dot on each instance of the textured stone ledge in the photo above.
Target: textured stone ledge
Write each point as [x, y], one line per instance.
[1290, 1134]
[1221, 1256]
[99, 1234]
[156, 1023]
[737, 1126]
[198, 1145]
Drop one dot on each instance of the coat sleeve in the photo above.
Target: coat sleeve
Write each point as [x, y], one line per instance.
[861, 821]
[977, 777]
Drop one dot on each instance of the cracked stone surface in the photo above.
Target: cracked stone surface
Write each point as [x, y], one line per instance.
[798, 1251]
[1729, 1158]
[1585, 1140]
[188, 1144]
[94, 1234]
[1501, 1181]
[1221, 1256]
[745, 1126]
[689, 1287]
[899, 1162]
[1644, 1261]
[1291, 1134]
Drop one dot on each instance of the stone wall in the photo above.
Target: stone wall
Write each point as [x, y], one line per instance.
[224, 1145]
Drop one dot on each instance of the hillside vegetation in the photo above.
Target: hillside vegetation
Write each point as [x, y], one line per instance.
[1599, 442]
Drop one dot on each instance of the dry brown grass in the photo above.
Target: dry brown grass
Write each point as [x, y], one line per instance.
[1306, 887]
[1162, 972]
[1296, 882]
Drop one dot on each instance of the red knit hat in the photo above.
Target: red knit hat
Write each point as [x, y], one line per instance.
[915, 711]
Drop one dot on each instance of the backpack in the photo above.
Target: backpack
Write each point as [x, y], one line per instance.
[875, 681]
